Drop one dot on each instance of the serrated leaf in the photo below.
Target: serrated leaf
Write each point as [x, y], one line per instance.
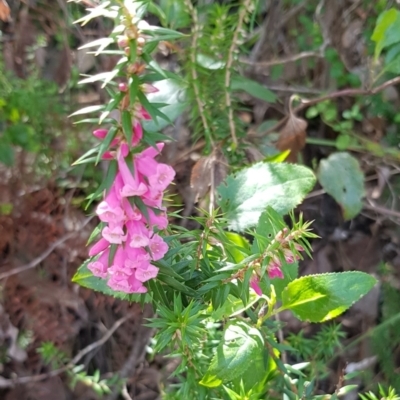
[253, 88]
[341, 176]
[318, 298]
[247, 193]
[237, 352]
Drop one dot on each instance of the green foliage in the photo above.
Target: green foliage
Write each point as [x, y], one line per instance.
[318, 298]
[247, 193]
[28, 116]
[341, 176]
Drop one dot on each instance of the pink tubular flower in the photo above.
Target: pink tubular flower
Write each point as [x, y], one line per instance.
[138, 234]
[137, 133]
[159, 220]
[114, 235]
[101, 245]
[144, 275]
[158, 247]
[274, 271]
[128, 226]
[162, 178]
[254, 284]
[132, 185]
[99, 266]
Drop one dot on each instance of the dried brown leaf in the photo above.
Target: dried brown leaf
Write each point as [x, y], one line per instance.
[200, 178]
[208, 171]
[4, 11]
[292, 136]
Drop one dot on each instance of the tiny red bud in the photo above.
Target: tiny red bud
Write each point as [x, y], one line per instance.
[123, 87]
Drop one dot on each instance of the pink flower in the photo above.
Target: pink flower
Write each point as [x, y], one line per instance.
[147, 88]
[274, 271]
[162, 178]
[138, 234]
[132, 212]
[137, 133]
[114, 235]
[159, 220]
[158, 247]
[112, 215]
[254, 284]
[132, 185]
[99, 266]
[100, 133]
[151, 151]
[144, 275]
[101, 245]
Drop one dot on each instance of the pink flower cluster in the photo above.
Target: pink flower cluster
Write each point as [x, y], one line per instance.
[131, 210]
[274, 268]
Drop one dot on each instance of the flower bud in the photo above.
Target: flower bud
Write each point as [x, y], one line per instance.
[127, 51]
[131, 33]
[123, 87]
[100, 133]
[141, 41]
[123, 41]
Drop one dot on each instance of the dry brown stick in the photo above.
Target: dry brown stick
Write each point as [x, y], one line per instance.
[9, 383]
[341, 93]
[137, 353]
[44, 255]
[228, 101]
[193, 70]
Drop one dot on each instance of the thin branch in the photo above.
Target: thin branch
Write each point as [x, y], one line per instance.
[137, 353]
[285, 60]
[9, 383]
[232, 49]
[200, 104]
[341, 93]
[44, 255]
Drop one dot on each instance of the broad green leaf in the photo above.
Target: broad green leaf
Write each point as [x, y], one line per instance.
[175, 13]
[172, 93]
[85, 278]
[208, 62]
[387, 30]
[253, 88]
[247, 193]
[341, 176]
[318, 298]
[241, 347]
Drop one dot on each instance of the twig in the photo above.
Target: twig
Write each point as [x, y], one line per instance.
[137, 353]
[125, 394]
[285, 60]
[9, 383]
[44, 255]
[341, 93]
[228, 101]
[200, 104]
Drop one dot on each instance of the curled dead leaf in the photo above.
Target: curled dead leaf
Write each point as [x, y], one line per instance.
[208, 171]
[4, 11]
[292, 136]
